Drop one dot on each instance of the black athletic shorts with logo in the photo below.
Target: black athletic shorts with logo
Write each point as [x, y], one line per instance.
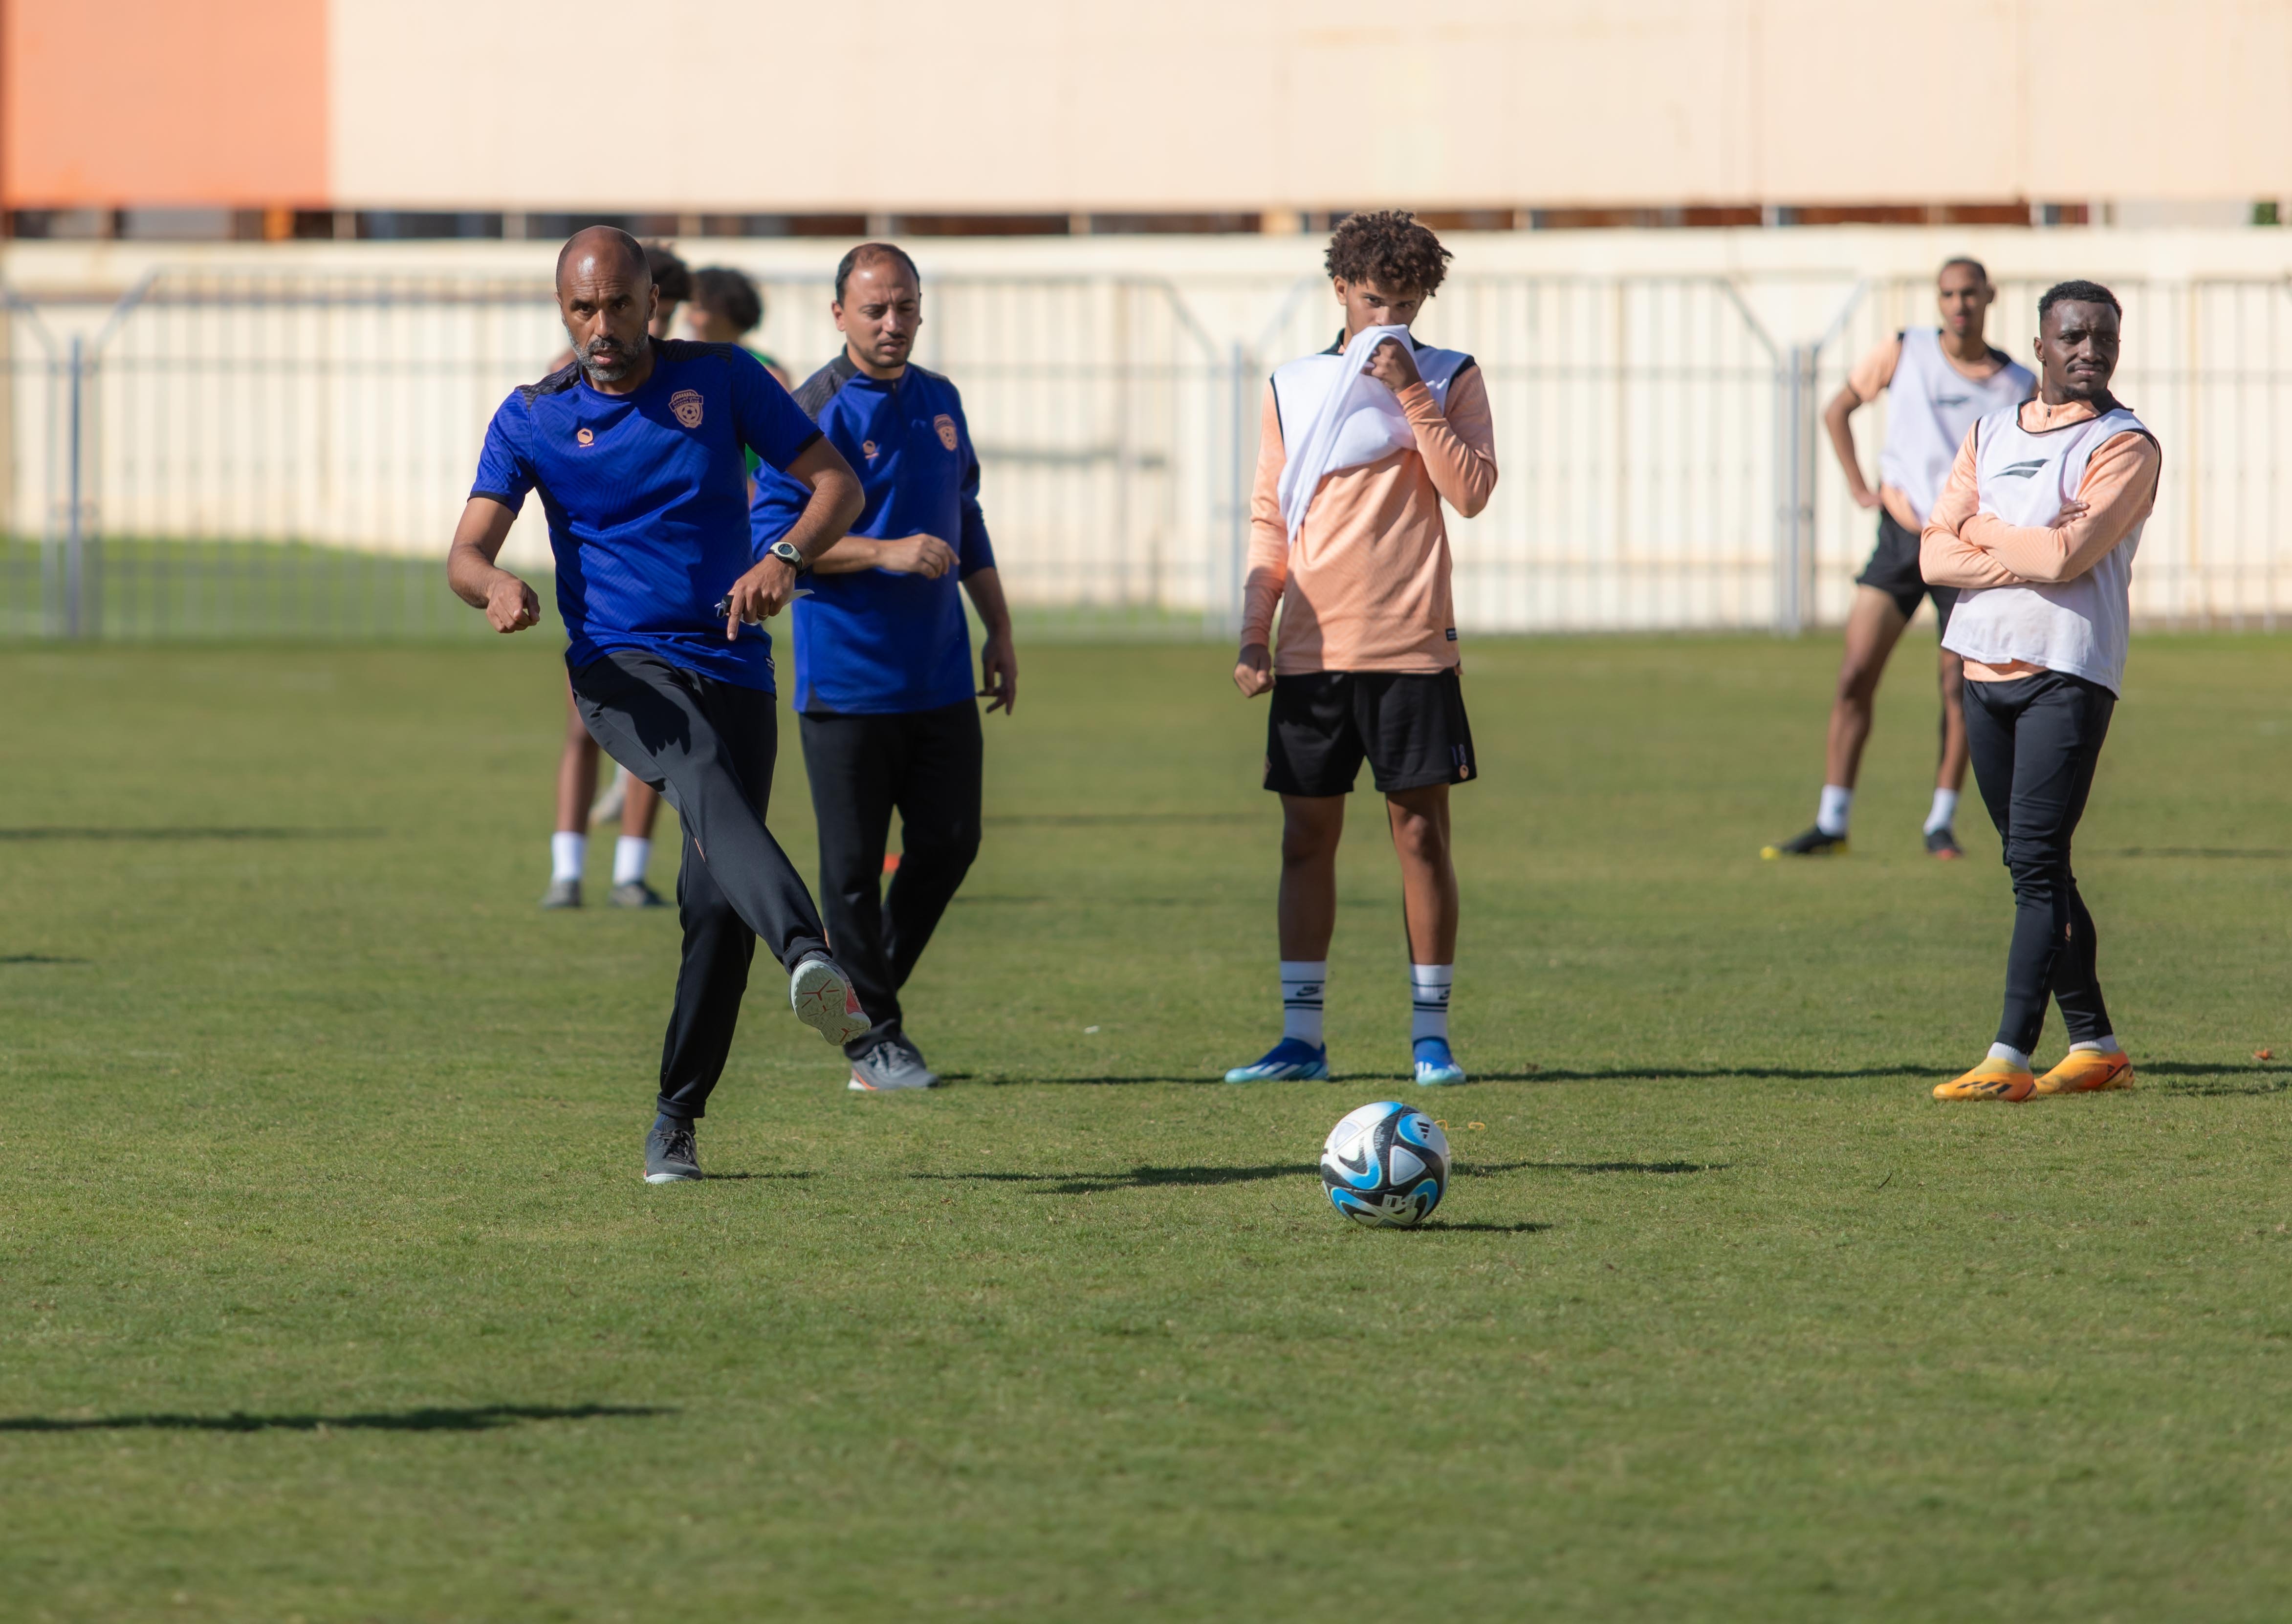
[1893, 570]
[1409, 726]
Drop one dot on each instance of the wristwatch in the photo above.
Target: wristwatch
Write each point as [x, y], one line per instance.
[786, 553]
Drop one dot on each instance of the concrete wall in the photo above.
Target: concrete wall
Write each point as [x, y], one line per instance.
[1076, 105]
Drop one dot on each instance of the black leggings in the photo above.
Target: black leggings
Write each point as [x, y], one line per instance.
[709, 748]
[927, 765]
[2034, 741]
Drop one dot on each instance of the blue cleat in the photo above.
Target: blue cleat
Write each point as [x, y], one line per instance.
[1291, 1060]
[1436, 1067]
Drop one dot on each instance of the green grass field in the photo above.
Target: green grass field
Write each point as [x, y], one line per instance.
[329, 1289]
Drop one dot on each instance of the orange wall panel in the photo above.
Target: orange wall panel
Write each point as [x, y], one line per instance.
[111, 103]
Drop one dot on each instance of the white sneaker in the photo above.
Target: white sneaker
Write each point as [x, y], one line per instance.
[823, 1000]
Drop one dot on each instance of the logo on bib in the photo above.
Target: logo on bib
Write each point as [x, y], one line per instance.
[583, 437]
[868, 449]
[946, 427]
[2022, 470]
[686, 404]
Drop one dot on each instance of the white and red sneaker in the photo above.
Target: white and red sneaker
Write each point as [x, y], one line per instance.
[823, 1000]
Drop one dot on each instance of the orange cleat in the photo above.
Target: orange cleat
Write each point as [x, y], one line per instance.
[1991, 1079]
[2087, 1071]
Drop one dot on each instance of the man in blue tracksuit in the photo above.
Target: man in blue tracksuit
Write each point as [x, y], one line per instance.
[883, 689]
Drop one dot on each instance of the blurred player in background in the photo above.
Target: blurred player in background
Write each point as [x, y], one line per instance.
[1937, 383]
[2037, 529]
[626, 798]
[883, 693]
[637, 451]
[1359, 445]
[727, 306]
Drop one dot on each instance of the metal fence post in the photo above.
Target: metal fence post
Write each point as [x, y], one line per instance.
[1794, 475]
[1236, 486]
[75, 527]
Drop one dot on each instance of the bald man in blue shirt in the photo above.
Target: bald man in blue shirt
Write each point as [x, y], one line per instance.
[637, 449]
[885, 697]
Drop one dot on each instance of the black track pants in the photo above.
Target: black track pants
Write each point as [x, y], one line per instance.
[2034, 741]
[708, 747]
[927, 765]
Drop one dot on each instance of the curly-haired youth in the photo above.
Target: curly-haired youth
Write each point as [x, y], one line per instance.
[730, 294]
[1389, 249]
[669, 273]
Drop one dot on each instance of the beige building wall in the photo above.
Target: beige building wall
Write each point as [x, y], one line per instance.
[1061, 105]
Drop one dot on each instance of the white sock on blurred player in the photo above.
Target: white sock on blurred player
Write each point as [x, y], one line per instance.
[1428, 998]
[1830, 812]
[630, 856]
[566, 853]
[1302, 983]
[1944, 812]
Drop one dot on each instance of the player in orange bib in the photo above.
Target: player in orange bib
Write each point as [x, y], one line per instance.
[1361, 444]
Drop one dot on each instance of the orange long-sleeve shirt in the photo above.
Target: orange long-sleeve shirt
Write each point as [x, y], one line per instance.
[1367, 586]
[1964, 547]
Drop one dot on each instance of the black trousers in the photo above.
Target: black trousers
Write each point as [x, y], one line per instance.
[709, 748]
[2035, 743]
[927, 765]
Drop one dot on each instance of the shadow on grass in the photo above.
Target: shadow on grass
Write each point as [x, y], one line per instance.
[1480, 1169]
[1136, 1178]
[480, 1418]
[2214, 1081]
[1486, 1229]
[799, 1174]
[2262, 852]
[1700, 1073]
[40, 959]
[94, 832]
[1112, 820]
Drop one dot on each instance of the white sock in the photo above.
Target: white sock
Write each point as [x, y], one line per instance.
[1944, 812]
[630, 856]
[1428, 998]
[2105, 1044]
[2012, 1055]
[1830, 812]
[566, 853]
[1302, 982]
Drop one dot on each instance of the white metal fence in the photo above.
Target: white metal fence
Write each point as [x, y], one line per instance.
[239, 455]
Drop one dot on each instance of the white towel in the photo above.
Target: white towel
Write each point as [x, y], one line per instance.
[1356, 419]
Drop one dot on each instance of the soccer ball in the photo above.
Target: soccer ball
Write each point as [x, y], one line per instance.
[1387, 1165]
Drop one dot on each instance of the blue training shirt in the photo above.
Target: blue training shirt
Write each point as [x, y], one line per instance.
[872, 641]
[646, 496]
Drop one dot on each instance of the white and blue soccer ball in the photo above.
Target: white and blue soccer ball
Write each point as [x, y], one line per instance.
[1387, 1165]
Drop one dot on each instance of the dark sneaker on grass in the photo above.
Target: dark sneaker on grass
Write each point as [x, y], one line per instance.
[1943, 843]
[636, 894]
[892, 1064]
[823, 1000]
[672, 1153]
[563, 894]
[1814, 843]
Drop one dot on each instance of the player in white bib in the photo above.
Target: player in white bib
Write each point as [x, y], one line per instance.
[1937, 383]
[2037, 529]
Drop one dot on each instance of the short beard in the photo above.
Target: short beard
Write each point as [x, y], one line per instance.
[609, 371]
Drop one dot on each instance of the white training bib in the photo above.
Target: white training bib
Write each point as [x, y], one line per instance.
[1334, 415]
[1929, 404]
[2078, 626]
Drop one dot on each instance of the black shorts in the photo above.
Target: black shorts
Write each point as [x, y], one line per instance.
[1409, 727]
[1893, 570]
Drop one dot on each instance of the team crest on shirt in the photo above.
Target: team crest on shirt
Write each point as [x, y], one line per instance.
[946, 427]
[583, 436]
[686, 404]
[868, 449]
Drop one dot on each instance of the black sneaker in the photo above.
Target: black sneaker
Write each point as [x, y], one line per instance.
[672, 1154]
[1814, 843]
[1943, 843]
[636, 894]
